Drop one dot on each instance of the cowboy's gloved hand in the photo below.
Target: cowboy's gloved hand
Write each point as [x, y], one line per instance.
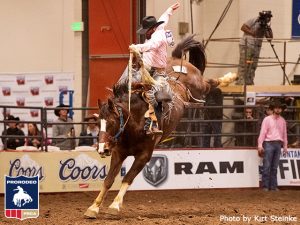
[175, 6]
[133, 48]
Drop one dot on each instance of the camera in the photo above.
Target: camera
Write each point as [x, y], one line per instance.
[264, 18]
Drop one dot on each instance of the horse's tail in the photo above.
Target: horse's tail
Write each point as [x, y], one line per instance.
[197, 55]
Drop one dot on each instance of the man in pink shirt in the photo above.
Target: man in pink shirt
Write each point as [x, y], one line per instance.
[154, 52]
[273, 136]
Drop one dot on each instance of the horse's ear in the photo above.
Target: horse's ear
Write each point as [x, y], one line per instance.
[111, 105]
[100, 103]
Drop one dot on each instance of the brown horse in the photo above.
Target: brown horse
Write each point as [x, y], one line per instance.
[125, 131]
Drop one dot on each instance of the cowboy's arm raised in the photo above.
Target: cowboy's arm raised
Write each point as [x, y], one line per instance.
[166, 15]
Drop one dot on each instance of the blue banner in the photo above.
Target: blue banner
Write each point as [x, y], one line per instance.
[21, 197]
[296, 19]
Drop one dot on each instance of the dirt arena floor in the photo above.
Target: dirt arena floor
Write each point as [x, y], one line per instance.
[221, 206]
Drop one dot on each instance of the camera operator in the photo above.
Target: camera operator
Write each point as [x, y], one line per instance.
[250, 45]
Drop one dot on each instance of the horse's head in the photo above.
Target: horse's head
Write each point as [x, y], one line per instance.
[113, 117]
[118, 124]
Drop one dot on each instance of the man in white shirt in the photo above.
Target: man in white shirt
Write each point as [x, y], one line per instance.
[154, 52]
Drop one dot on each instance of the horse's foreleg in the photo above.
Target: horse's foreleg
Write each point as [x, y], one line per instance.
[137, 166]
[115, 166]
[118, 201]
[93, 210]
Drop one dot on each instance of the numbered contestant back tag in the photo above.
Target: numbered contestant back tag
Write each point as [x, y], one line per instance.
[169, 37]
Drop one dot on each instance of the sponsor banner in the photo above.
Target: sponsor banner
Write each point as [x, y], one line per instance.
[188, 169]
[64, 171]
[288, 173]
[289, 168]
[296, 19]
[33, 90]
[21, 197]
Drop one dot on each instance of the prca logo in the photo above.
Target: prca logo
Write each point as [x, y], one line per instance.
[21, 197]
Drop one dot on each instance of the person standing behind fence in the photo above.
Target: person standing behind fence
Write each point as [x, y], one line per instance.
[273, 136]
[250, 45]
[64, 131]
[92, 130]
[13, 142]
[248, 126]
[213, 98]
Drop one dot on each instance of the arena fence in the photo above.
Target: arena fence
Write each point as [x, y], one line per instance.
[234, 129]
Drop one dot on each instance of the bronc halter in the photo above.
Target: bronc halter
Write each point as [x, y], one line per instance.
[119, 111]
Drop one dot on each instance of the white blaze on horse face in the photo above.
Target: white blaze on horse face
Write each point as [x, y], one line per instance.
[103, 129]
[103, 125]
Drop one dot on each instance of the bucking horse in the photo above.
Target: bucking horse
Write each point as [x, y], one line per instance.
[125, 128]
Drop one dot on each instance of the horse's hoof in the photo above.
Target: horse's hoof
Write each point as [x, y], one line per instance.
[90, 214]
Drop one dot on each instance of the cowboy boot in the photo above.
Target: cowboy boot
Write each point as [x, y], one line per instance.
[153, 121]
[147, 126]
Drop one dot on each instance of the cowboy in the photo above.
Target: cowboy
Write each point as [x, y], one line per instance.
[155, 59]
[64, 130]
[13, 130]
[273, 136]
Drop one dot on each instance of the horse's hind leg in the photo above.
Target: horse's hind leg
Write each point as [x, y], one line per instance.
[138, 164]
[115, 166]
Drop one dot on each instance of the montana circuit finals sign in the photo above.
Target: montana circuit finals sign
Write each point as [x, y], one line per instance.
[296, 19]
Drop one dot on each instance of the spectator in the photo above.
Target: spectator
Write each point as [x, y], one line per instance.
[213, 98]
[296, 144]
[268, 111]
[12, 142]
[254, 31]
[35, 136]
[248, 126]
[65, 131]
[92, 130]
[273, 136]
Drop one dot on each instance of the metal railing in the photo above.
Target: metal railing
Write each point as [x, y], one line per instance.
[190, 132]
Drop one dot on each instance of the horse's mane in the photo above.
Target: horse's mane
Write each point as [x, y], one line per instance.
[197, 55]
[120, 89]
[120, 94]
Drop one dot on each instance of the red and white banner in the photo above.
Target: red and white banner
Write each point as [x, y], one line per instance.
[33, 90]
